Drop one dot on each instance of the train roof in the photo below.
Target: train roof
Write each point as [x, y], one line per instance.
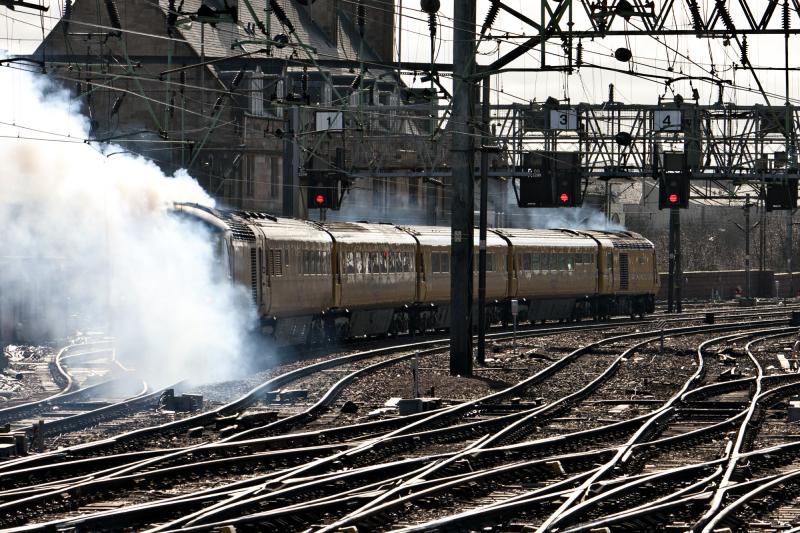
[440, 236]
[364, 232]
[242, 224]
[622, 239]
[546, 237]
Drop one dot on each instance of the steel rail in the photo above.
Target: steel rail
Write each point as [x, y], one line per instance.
[549, 370]
[570, 506]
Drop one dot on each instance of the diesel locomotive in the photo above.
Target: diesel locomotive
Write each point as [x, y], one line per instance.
[314, 282]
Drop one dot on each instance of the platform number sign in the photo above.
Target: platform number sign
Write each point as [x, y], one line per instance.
[329, 120]
[563, 119]
[667, 120]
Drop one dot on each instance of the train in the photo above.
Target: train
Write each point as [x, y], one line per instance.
[315, 282]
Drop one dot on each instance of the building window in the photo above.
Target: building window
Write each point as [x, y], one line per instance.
[276, 177]
[413, 191]
[249, 175]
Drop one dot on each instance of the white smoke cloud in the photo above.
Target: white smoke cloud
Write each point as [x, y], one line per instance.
[94, 229]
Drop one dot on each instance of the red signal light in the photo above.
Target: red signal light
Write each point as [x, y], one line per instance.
[673, 198]
[319, 199]
[564, 198]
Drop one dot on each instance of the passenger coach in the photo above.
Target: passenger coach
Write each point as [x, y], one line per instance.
[315, 282]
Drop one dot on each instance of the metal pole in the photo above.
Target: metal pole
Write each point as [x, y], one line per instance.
[747, 247]
[462, 204]
[482, 237]
[678, 266]
[671, 274]
[787, 122]
[202, 69]
[789, 246]
[762, 237]
[291, 163]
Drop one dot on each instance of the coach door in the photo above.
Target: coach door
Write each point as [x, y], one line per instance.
[266, 285]
[609, 275]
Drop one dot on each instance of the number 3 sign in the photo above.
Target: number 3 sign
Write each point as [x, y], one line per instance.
[563, 119]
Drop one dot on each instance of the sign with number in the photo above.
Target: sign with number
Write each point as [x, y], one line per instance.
[667, 120]
[563, 119]
[329, 120]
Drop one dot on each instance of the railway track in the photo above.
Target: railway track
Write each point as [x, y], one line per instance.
[500, 454]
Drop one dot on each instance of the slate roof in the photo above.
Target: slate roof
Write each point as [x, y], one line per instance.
[218, 39]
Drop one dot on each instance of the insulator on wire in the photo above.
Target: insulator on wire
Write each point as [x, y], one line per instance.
[78, 89]
[579, 55]
[744, 58]
[117, 104]
[432, 24]
[217, 105]
[491, 15]
[113, 14]
[237, 80]
[281, 14]
[697, 19]
[304, 81]
[722, 9]
[356, 83]
[172, 16]
[361, 17]
[787, 25]
[610, 93]
[67, 14]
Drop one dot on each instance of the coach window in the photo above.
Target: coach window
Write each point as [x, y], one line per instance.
[526, 262]
[359, 263]
[570, 262]
[445, 262]
[435, 267]
[383, 261]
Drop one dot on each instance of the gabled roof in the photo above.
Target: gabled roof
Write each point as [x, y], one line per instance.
[217, 40]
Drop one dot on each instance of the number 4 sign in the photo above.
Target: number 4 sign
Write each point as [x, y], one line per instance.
[667, 120]
[563, 119]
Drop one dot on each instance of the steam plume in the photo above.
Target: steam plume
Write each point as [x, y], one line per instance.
[92, 231]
